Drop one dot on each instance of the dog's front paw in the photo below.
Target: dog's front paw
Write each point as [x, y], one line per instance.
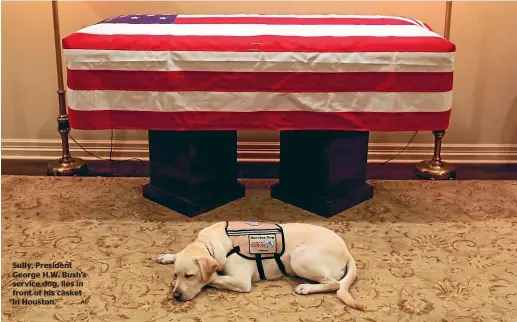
[166, 258]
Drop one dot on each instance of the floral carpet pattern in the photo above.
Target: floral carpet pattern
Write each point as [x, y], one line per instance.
[426, 251]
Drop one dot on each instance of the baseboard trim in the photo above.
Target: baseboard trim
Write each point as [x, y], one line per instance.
[262, 152]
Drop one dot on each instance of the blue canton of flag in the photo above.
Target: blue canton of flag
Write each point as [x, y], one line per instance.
[142, 19]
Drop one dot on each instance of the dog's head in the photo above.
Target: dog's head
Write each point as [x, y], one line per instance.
[193, 269]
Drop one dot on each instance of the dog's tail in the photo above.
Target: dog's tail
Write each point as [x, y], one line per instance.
[345, 283]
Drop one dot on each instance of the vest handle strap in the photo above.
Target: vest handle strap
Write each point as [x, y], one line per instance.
[280, 264]
[258, 259]
[234, 250]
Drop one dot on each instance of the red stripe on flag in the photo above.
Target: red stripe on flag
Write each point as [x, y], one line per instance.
[258, 43]
[259, 82]
[292, 21]
[276, 121]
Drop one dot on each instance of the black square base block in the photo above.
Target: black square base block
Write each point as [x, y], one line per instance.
[194, 205]
[193, 171]
[326, 205]
[323, 172]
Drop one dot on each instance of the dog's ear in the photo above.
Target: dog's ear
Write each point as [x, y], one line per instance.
[207, 266]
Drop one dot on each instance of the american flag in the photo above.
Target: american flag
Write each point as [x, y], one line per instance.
[259, 72]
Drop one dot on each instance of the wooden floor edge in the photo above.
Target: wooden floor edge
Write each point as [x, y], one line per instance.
[264, 170]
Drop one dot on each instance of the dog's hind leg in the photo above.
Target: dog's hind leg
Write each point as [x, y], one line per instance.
[326, 286]
[166, 258]
[319, 266]
[310, 264]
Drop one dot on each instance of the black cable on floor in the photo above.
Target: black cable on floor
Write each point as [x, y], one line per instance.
[111, 146]
[111, 151]
[93, 155]
[132, 159]
[396, 155]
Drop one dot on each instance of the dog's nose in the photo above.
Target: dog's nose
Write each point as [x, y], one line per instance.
[177, 296]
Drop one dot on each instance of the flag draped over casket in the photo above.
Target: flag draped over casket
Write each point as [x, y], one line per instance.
[253, 72]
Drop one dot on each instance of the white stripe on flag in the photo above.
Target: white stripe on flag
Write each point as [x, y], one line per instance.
[258, 61]
[258, 101]
[304, 16]
[258, 29]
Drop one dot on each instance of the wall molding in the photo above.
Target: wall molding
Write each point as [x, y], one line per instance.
[261, 151]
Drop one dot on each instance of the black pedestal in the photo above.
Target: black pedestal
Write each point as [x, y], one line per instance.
[193, 172]
[323, 172]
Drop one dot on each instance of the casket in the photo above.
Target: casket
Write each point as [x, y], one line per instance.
[259, 72]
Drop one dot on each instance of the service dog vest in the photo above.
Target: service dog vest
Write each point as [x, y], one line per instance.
[257, 241]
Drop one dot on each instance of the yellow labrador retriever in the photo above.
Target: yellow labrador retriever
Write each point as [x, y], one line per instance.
[232, 255]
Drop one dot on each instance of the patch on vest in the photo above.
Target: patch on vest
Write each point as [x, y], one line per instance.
[253, 238]
[262, 244]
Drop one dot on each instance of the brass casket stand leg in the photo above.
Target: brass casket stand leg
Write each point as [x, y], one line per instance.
[436, 169]
[66, 165]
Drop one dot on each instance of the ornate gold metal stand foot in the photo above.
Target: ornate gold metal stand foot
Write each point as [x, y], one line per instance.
[70, 167]
[66, 165]
[436, 169]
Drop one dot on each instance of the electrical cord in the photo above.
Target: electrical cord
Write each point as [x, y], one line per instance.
[111, 151]
[136, 159]
[93, 155]
[396, 155]
[111, 146]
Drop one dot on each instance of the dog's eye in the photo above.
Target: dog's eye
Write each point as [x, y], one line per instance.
[189, 275]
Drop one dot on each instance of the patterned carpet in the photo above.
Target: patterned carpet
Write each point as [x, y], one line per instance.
[426, 251]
